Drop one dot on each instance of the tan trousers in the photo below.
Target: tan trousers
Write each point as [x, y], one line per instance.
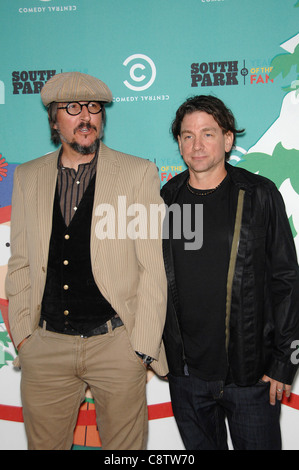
[56, 370]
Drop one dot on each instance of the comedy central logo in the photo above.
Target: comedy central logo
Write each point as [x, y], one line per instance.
[142, 72]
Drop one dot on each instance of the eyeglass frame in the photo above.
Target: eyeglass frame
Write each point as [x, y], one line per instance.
[85, 104]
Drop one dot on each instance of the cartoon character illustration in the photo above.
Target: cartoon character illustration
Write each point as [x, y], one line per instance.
[86, 434]
[3, 169]
[5, 340]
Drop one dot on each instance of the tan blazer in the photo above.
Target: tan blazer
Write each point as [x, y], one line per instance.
[129, 272]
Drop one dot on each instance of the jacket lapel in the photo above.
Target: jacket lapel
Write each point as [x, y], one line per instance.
[46, 184]
[105, 192]
[169, 198]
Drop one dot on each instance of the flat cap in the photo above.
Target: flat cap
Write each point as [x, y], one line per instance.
[74, 86]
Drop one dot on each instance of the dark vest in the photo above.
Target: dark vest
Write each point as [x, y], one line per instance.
[72, 302]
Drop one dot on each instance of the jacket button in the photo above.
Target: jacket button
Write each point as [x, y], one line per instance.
[65, 287]
[66, 313]
[66, 237]
[65, 262]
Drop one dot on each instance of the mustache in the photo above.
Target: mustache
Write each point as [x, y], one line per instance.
[86, 125]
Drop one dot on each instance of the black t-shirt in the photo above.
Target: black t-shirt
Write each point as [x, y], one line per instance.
[201, 277]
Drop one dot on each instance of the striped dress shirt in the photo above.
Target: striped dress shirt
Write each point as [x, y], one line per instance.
[71, 185]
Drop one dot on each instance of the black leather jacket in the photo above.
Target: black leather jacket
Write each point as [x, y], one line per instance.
[262, 317]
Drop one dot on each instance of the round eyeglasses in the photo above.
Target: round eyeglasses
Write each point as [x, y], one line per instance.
[75, 108]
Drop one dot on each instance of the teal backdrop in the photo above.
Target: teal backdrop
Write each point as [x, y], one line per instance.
[153, 55]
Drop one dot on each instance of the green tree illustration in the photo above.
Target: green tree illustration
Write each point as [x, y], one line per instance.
[4, 342]
[272, 167]
[284, 63]
[283, 163]
[272, 164]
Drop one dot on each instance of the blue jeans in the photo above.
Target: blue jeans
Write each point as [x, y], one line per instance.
[200, 409]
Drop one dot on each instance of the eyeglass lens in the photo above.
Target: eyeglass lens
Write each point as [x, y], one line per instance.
[94, 107]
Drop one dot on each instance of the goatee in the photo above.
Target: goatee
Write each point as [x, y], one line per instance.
[85, 149]
[81, 149]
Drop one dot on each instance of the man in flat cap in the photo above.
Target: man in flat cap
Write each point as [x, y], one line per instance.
[84, 309]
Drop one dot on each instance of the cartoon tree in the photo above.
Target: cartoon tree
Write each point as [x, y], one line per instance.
[4, 354]
[283, 164]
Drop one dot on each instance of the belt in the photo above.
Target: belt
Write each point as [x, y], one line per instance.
[115, 322]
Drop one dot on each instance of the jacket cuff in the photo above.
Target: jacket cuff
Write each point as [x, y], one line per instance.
[282, 372]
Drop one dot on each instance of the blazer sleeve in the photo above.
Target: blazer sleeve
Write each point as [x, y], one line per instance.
[18, 276]
[152, 288]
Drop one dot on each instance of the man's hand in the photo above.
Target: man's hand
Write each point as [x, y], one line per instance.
[276, 389]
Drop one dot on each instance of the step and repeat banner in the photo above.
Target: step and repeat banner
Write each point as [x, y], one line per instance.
[153, 55]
